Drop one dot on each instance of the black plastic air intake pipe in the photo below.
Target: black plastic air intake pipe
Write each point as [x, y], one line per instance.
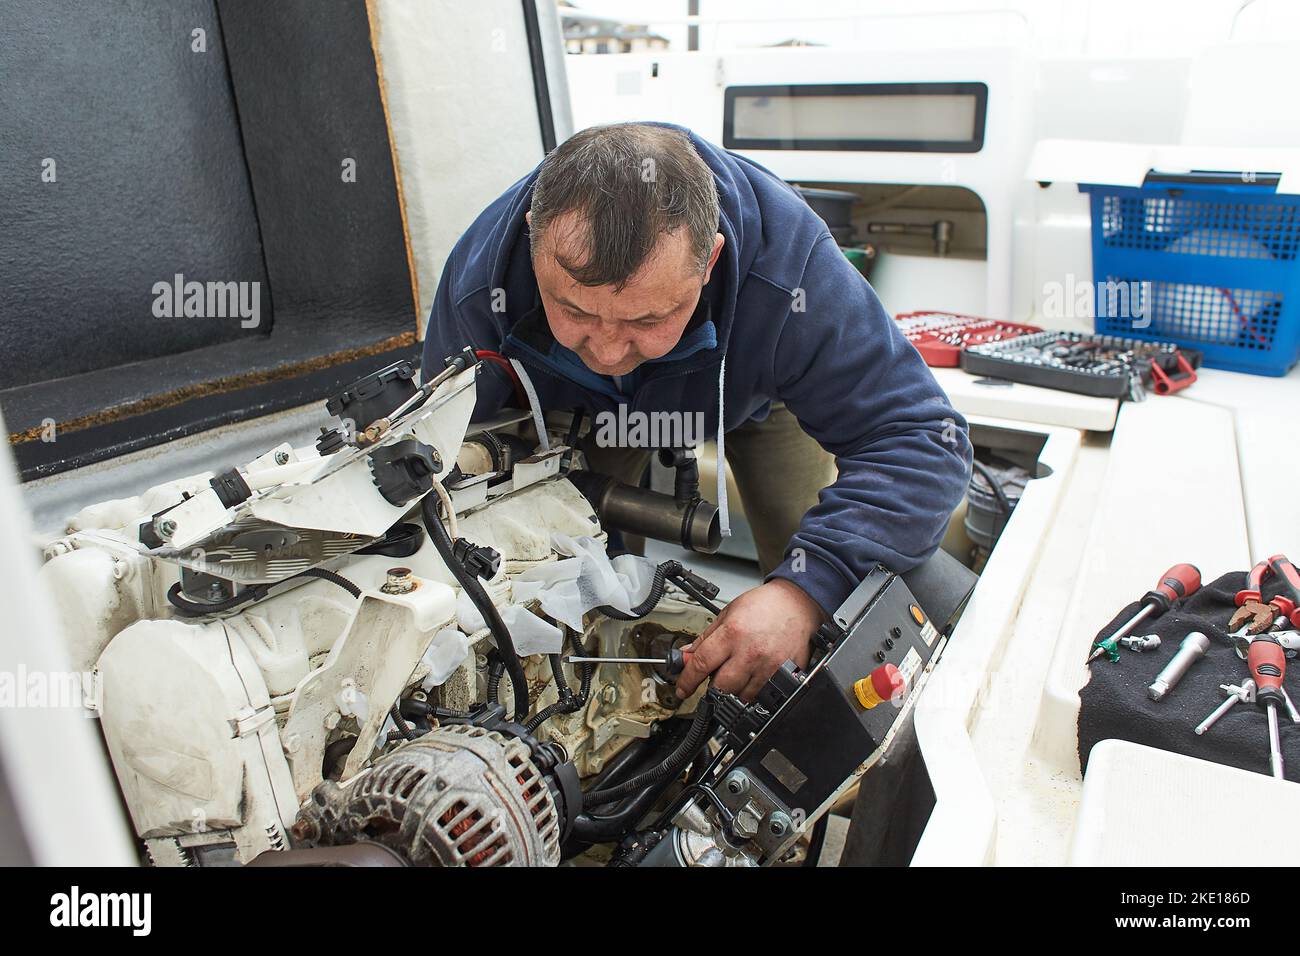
[694, 525]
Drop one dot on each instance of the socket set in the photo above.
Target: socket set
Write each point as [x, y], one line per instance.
[1104, 366]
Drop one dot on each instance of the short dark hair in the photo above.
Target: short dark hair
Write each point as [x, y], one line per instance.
[629, 183]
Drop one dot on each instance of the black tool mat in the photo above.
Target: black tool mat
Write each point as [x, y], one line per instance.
[1115, 702]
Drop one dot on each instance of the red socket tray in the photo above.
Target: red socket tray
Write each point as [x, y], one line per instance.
[940, 337]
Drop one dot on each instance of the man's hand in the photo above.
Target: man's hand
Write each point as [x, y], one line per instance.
[752, 637]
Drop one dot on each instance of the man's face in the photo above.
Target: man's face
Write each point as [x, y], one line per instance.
[615, 330]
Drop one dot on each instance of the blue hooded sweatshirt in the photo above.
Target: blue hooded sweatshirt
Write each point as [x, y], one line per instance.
[794, 321]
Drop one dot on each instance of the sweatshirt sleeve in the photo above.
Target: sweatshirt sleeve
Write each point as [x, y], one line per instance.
[455, 324]
[860, 389]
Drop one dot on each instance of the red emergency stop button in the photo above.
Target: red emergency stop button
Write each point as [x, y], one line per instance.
[879, 686]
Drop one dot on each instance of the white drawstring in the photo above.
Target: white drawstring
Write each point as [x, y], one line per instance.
[533, 403]
[724, 520]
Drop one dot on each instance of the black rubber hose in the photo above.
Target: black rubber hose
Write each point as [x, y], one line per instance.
[671, 766]
[187, 608]
[333, 752]
[591, 828]
[994, 485]
[471, 586]
[662, 573]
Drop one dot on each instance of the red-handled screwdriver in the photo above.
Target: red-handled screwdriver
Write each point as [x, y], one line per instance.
[1178, 582]
[1267, 662]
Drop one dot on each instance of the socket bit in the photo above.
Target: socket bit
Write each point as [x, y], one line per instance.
[1191, 650]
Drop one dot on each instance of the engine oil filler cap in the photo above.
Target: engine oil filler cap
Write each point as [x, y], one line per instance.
[880, 685]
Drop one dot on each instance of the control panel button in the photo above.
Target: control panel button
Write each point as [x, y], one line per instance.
[879, 686]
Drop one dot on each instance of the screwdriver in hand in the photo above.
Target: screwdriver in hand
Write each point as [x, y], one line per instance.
[1178, 582]
[674, 663]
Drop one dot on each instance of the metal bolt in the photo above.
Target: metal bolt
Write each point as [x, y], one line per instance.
[610, 694]
[737, 783]
[282, 458]
[165, 527]
[779, 823]
[332, 719]
[746, 823]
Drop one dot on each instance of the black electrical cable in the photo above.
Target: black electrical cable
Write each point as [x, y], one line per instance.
[471, 586]
[333, 578]
[561, 685]
[188, 608]
[672, 765]
[568, 702]
[403, 727]
[698, 595]
[496, 667]
[662, 573]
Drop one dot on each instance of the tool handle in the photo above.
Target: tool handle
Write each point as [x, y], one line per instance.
[677, 661]
[1254, 581]
[1287, 598]
[1179, 581]
[1267, 662]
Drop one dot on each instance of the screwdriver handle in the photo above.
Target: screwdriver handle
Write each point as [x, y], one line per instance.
[1287, 600]
[1254, 581]
[1180, 581]
[1267, 662]
[677, 661]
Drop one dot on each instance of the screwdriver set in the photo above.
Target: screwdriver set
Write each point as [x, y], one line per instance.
[1104, 366]
[1263, 632]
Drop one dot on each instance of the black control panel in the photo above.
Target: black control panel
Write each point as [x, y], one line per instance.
[834, 717]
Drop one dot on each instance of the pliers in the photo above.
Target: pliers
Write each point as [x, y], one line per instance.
[1253, 614]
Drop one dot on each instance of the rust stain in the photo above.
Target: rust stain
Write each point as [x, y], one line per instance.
[216, 387]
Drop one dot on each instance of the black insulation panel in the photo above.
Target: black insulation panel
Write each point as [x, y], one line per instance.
[149, 181]
[263, 157]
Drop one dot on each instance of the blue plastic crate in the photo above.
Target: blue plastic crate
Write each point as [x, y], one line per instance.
[1211, 265]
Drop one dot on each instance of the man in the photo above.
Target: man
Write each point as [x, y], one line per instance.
[624, 270]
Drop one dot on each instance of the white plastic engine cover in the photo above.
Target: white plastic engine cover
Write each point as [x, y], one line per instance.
[191, 731]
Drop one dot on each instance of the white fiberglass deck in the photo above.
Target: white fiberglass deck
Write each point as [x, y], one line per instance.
[1203, 476]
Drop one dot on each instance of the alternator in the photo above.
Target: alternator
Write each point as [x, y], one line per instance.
[460, 795]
